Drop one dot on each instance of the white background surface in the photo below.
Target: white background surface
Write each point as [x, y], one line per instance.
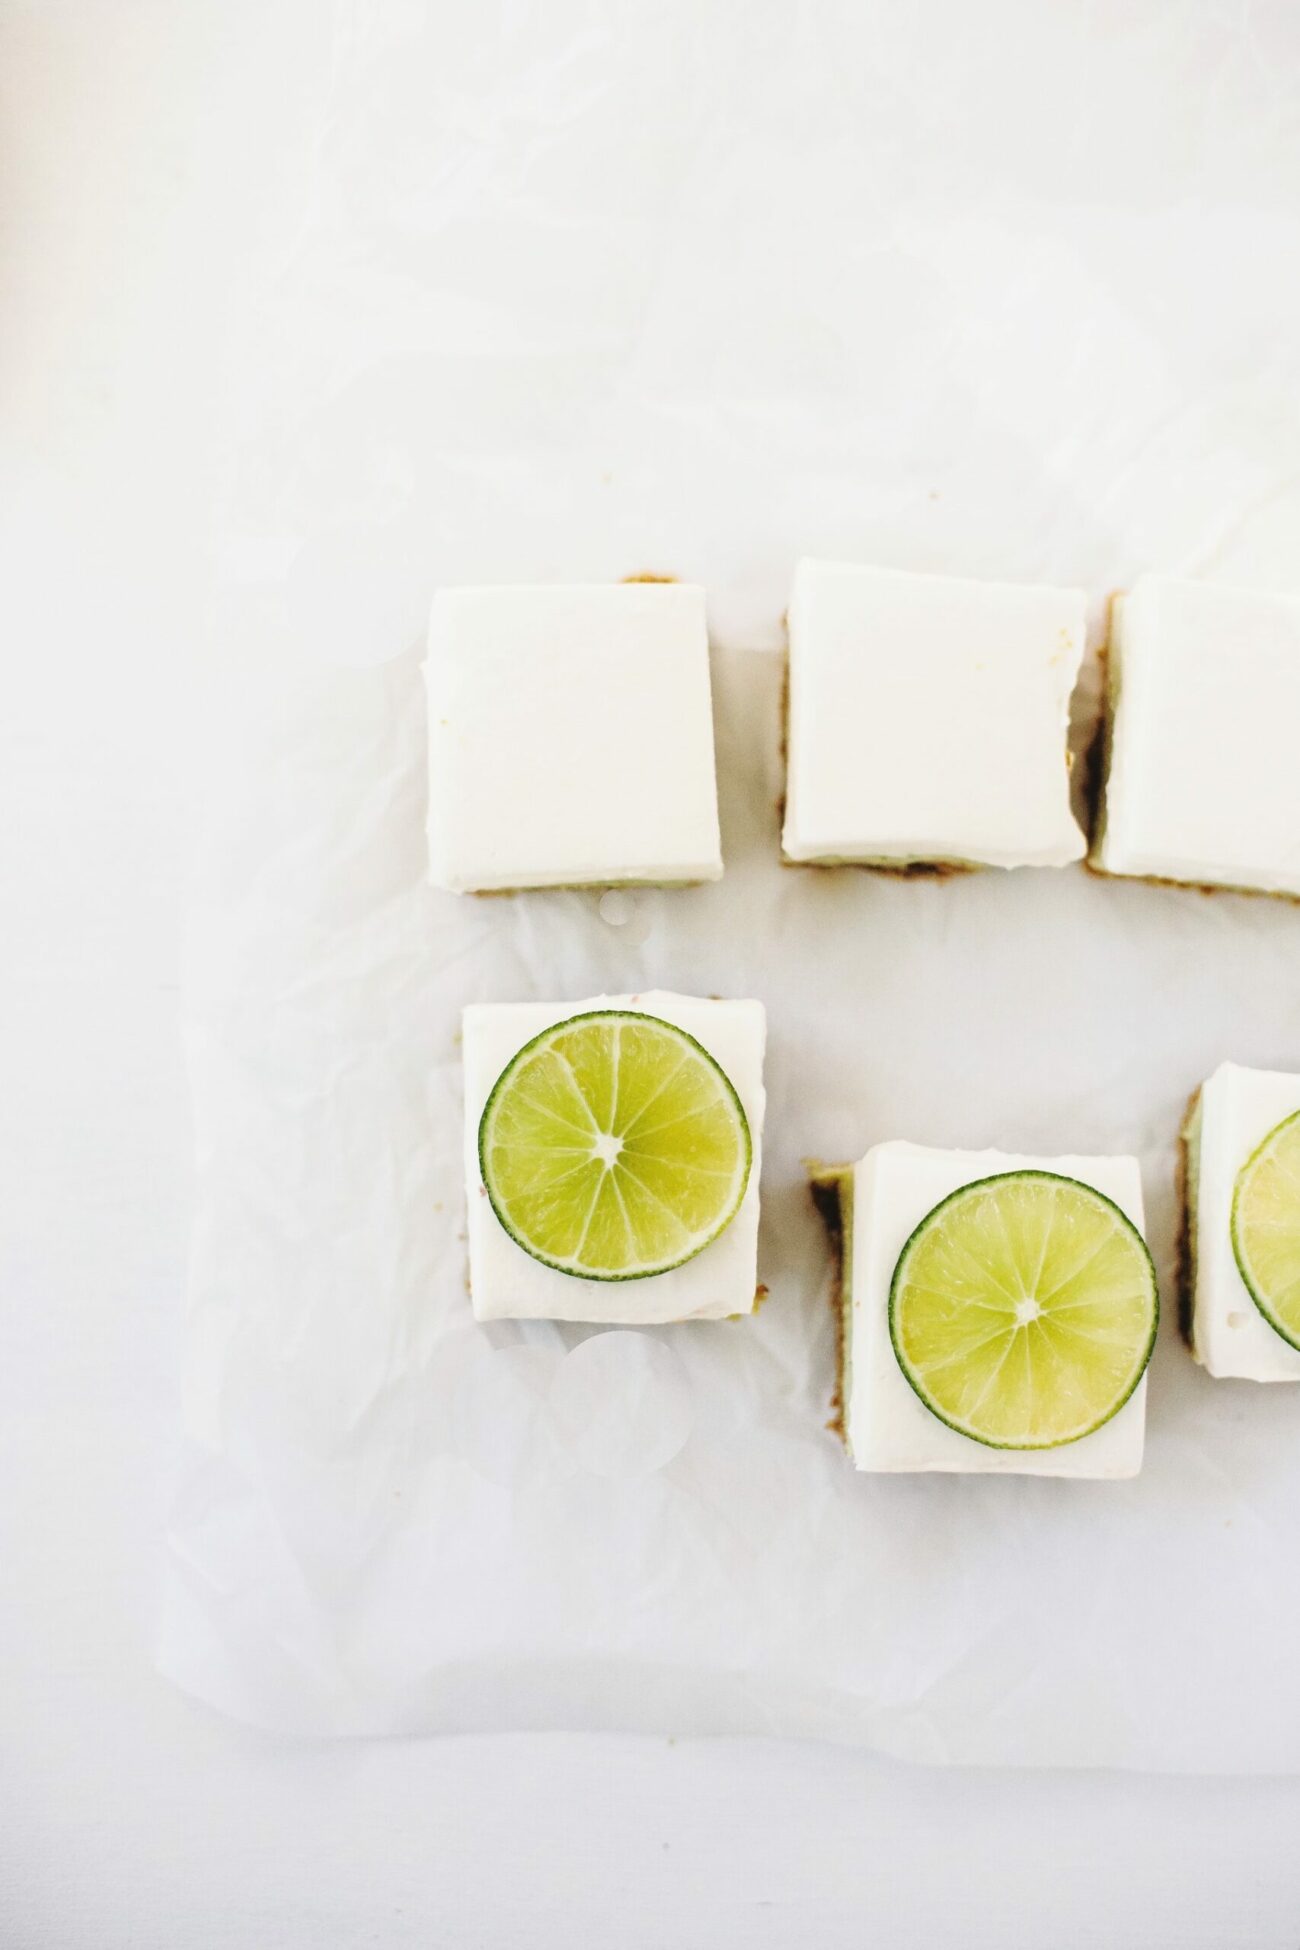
[147, 149]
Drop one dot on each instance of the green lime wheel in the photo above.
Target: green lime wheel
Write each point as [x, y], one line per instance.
[614, 1147]
[1023, 1310]
[1266, 1228]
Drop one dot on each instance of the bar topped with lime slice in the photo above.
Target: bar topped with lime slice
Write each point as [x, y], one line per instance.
[1241, 1224]
[613, 1154]
[613, 1147]
[1023, 1310]
[997, 1311]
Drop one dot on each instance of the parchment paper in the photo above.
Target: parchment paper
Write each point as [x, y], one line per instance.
[587, 291]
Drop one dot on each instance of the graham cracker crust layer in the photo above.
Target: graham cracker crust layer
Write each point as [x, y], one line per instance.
[892, 870]
[1192, 886]
[584, 887]
[824, 1185]
[1184, 1245]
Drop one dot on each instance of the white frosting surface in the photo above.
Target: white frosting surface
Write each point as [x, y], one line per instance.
[1230, 1336]
[1204, 780]
[506, 1283]
[887, 1424]
[928, 718]
[570, 737]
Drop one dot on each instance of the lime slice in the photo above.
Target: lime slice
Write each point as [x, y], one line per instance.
[1266, 1228]
[613, 1147]
[1023, 1310]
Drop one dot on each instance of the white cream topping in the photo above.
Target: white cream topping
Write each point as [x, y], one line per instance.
[887, 1425]
[1230, 1336]
[506, 1283]
[570, 737]
[1204, 781]
[929, 717]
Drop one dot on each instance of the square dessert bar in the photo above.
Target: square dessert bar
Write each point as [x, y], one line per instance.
[1203, 713]
[928, 719]
[570, 738]
[506, 1283]
[1229, 1118]
[873, 1208]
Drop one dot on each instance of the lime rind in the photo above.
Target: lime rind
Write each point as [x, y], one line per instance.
[700, 1240]
[1287, 1132]
[1123, 1227]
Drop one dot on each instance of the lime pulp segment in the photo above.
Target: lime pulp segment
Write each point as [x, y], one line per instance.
[1023, 1310]
[614, 1147]
[1266, 1228]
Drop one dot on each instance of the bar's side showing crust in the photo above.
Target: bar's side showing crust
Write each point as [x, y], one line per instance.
[581, 887]
[893, 869]
[1101, 744]
[827, 1183]
[1193, 886]
[1186, 1172]
[784, 793]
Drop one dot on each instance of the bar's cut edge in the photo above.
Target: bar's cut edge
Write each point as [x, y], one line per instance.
[1187, 1187]
[832, 1194]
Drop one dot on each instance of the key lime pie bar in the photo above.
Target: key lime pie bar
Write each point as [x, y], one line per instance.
[928, 720]
[570, 738]
[612, 1156]
[996, 1313]
[1202, 779]
[1241, 1259]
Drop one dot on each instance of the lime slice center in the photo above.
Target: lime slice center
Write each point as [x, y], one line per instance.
[1023, 1310]
[1266, 1228]
[614, 1147]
